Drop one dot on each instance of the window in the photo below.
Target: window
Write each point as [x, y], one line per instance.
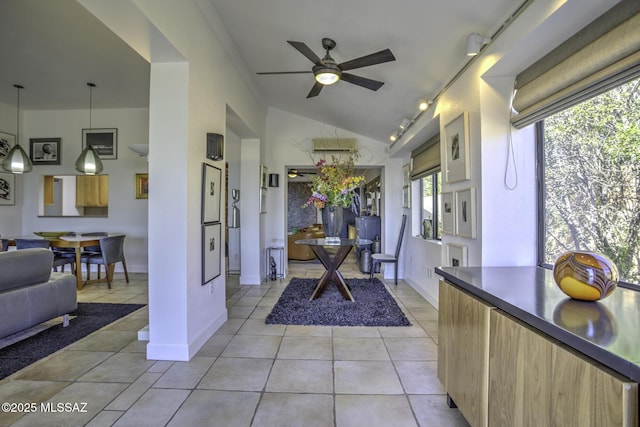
[590, 191]
[430, 216]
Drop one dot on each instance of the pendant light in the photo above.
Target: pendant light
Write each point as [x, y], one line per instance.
[89, 162]
[17, 161]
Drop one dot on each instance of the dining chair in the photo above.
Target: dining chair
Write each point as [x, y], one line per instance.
[94, 250]
[58, 260]
[111, 252]
[388, 258]
[4, 245]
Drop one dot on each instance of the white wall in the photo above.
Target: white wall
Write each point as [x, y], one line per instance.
[195, 74]
[126, 213]
[289, 144]
[11, 215]
[232, 156]
[506, 218]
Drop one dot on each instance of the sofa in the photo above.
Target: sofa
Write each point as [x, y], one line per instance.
[303, 252]
[30, 293]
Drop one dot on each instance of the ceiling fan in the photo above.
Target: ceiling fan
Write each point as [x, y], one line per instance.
[328, 72]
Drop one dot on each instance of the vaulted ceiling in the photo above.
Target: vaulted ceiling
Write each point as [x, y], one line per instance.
[54, 47]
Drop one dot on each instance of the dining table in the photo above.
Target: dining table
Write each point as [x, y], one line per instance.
[332, 263]
[77, 242]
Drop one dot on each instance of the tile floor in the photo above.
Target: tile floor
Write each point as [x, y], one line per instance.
[247, 374]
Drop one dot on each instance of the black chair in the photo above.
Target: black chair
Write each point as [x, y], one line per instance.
[4, 245]
[388, 258]
[58, 260]
[111, 252]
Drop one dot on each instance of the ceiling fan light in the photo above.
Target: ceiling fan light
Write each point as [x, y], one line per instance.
[327, 76]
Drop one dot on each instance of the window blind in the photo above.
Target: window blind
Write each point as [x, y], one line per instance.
[603, 55]
[426, 158]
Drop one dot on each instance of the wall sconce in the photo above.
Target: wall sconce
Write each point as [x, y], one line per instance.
[475, 42]
[273, 179]
[16, 160]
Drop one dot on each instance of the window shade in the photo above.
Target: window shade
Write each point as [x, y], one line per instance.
[603, 55]
[426, 158]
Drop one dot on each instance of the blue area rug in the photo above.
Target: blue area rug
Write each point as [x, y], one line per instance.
[89, 317]
[373, 305]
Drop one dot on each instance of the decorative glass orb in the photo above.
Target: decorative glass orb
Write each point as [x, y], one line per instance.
[586, 276]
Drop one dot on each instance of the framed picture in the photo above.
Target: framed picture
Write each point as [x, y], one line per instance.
[457, 149]
[466, 213]
[104, 141]
[211, 189]
[264, 176]
[263, 200]
[45, 151]
[448, 213]
[142, 186]
[7, 189]
[7, 141]
[456, 255]
[211, 251]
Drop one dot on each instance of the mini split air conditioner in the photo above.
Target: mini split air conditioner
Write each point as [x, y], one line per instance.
[341, 145]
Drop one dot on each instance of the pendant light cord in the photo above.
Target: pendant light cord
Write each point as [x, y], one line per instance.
[18, 87]
[91, 86]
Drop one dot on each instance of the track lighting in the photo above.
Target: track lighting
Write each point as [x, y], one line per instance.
[424, 104]
[475, 42]
[404, 125]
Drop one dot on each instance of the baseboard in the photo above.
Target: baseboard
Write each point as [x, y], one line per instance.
[207, 333]
[430, 298]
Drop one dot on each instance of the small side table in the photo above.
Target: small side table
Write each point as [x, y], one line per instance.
[279, 250]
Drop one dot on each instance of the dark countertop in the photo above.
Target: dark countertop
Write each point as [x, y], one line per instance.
[607, 331]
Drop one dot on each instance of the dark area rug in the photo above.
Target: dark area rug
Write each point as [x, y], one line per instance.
[373, 305]
[89, 318]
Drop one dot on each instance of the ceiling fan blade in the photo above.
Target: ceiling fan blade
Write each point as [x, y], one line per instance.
[286, 72]
[361, 81]
[315, 90]
[372, 59]
[306, 51]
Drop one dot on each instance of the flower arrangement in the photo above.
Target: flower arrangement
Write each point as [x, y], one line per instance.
[335, 183]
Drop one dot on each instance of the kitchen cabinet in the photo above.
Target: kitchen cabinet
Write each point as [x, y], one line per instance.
[92, 190]
[463, 349]
[537, 381]
[512, 350]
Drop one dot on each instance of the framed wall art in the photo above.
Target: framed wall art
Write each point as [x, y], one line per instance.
[104, 141]
[7, 141]
[211, 251]
[448, 213]
[456, 255]
[142, 186]
[457, 149]
[211, 189]
[45, 151]
[7, 189]
[466, 213]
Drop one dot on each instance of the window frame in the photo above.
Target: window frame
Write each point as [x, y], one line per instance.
[436, 225]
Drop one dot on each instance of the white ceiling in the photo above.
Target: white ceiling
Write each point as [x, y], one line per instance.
[54, 47]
